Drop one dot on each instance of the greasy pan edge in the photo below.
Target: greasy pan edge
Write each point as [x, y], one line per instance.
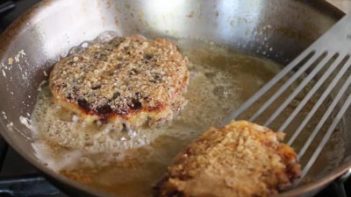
[6, 37]
[17, 27]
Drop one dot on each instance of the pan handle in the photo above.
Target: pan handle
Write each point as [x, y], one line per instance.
[27, 186]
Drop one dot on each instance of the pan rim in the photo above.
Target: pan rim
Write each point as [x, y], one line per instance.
[13, 30]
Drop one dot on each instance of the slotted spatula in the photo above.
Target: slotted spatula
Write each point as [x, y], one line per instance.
[326, 63]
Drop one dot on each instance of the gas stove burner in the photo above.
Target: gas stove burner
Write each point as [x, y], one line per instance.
[6, 6]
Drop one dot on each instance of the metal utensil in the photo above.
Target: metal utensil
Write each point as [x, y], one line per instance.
[275, 29]
[326, 61]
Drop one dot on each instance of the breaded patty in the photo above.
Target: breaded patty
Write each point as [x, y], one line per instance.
[242, 159]
[130, 79]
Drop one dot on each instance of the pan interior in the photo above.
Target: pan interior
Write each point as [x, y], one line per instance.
[220, 80]
[255, 28]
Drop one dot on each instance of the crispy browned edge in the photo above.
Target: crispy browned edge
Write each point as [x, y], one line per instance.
[287, 153]
[91, 115]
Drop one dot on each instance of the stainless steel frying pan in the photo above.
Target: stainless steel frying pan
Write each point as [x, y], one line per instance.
[51, 28]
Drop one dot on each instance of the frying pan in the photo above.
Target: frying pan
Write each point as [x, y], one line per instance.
[38, 38]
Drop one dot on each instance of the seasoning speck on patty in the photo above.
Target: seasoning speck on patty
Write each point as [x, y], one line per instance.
[131, 80]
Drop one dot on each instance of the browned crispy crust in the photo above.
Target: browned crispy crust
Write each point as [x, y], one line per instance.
[242, 159]
[129, 79]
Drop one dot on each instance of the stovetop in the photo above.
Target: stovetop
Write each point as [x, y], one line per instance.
[18, 178]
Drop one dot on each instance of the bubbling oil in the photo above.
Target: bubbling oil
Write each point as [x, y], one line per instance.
[130, 163]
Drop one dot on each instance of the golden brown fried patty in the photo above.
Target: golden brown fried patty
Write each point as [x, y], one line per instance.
[128, 79]
[242, 159]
